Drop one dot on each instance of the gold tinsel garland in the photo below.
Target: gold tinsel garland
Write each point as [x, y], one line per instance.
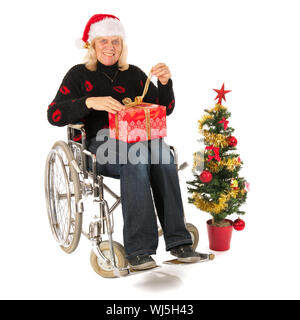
[218, 108]
[212, 207]
[231, 164]
[204, 118]
[214, 166]
[218, 140]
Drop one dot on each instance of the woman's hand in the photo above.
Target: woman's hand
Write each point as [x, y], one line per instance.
[108, 104]
[162, 72]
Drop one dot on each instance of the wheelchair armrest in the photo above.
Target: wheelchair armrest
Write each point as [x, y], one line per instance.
[76, 126]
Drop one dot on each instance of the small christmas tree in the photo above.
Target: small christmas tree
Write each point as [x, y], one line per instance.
[219, 189]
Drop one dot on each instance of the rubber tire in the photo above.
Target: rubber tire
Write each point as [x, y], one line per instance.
[119, 253]
[77, 191]
[195, 234]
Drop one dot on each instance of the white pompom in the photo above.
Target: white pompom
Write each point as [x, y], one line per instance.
[80, 43]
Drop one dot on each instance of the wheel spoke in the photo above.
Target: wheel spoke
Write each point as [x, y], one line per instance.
[62, 197]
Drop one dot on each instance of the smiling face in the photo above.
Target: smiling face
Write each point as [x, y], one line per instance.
[108, 49]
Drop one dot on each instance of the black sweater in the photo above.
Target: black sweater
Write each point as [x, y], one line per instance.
[68, 106]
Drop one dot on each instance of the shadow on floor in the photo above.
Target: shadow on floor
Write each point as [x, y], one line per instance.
[158, 280]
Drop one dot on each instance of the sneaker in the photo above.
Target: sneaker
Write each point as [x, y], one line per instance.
[141, 262]
[185, 253]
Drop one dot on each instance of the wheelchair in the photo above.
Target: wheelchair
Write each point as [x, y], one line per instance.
[68, 182]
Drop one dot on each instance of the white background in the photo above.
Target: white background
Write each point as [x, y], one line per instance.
[252, 46]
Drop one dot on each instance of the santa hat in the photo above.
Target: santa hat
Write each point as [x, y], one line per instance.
[100, 25]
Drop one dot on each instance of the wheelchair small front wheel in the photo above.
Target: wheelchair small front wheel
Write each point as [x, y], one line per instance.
[107, 270]
[194, 234]
[62, 191]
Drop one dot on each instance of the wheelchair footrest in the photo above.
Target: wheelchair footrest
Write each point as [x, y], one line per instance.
[204, 257]
[132, 271]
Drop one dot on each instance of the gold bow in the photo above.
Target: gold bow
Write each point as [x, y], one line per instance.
[139, 99]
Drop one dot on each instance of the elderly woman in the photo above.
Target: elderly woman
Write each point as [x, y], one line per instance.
[87, 94]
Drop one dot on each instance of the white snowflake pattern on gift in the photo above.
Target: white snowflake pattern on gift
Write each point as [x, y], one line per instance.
[136, 133]
[163, 133]
[123, 128]
[112, 133]
[158, 123]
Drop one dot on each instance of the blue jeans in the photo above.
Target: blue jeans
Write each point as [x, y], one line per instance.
[140, 231]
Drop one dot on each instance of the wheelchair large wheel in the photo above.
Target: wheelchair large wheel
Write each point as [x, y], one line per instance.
[62, 190]
[101, 267]
[194, 234]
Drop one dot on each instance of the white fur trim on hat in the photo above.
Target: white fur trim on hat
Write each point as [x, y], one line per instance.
[105, 28]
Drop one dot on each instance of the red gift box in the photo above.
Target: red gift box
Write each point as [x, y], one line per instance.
[139, 123]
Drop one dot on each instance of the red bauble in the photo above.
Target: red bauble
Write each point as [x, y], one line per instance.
[239, 224]
[205, 176]
[232, 141]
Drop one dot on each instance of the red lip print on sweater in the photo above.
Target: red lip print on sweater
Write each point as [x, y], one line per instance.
[88, 86]
[119, 89]
[171, 105]
[64, 90]
[51, 104]
[56, 115]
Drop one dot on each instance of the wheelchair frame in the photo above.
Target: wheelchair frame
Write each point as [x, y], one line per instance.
[103, 222]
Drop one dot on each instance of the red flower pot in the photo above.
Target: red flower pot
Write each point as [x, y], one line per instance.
[219, 237]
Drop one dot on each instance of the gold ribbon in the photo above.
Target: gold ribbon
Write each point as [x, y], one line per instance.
[137, 101]
[148, 127]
